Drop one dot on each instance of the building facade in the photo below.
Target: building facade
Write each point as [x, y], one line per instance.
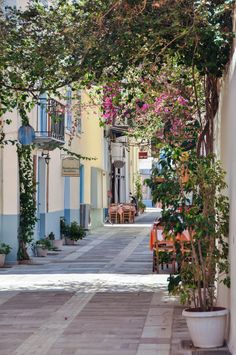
[58, 194]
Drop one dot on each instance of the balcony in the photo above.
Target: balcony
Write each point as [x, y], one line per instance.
[50, 124]
[120, 126]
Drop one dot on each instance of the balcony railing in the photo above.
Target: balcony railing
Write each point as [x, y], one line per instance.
[50, 123]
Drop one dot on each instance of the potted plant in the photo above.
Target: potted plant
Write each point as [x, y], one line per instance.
[41, 247]
[207, 221]
[200, 207]
[64, 229]
[138, 194]
[4, 250]
[141, 207]
[75, 233]
[55, 243]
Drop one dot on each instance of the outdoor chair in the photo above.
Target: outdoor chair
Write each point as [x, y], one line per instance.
[159, 244]
[113, 214]
[129, 213]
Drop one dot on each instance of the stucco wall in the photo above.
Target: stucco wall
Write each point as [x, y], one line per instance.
[90, 143]
[225, 148]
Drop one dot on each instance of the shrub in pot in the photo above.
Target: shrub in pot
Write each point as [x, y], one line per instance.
[4, 250]
[199, 206]
[75, 233]
[64, 229]
[41, 247]
[141, 206]
[55, 243]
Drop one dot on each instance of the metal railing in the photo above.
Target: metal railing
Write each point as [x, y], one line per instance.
[50, 121]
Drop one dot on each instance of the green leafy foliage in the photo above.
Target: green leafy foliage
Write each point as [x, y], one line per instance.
[76, 231]
[73, 231]
[5, 248]
[43, 243]
[51, 236]
[199, 206]
[46, 48]
[27, 200]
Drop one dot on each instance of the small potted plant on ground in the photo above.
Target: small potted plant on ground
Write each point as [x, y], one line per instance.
[75, 233]
[199, 207]
[4, 250]
[141, 207]
[55, 243]
[64, 230]
[41, 247]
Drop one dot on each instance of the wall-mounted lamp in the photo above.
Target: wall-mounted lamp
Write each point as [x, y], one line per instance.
[46, 157]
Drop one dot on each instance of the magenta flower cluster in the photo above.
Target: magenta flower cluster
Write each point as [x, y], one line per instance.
[171, 107]
[110, 109]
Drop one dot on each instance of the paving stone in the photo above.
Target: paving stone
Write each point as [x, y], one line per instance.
[153, 349]
[211, 352]
[99, 297]
[157, 331]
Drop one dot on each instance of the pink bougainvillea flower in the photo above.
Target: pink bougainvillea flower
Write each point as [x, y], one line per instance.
[182, 101]
[145, 107]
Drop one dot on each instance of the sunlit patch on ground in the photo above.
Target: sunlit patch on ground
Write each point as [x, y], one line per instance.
[84, 282]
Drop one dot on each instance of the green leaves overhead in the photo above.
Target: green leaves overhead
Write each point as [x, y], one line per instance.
[45, 48]
[93, 41]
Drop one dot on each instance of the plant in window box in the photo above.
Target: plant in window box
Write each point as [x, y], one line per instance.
[4, 250]
[205, 262]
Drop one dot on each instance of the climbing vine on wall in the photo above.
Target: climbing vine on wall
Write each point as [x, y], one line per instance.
[27, 200]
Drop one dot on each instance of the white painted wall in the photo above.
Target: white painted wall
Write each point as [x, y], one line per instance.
[225, 148]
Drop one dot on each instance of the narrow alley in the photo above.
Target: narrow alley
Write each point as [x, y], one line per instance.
[96, 298]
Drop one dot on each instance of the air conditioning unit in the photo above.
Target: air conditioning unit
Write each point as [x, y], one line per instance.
[85, 215]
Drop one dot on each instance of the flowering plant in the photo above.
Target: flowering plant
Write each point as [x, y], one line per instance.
[168, 116]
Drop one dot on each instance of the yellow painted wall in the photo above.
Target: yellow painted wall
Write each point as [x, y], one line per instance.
[89, 143]
[56, 182]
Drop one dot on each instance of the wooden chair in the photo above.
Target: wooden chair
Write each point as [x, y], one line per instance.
[128, 213]
[160, 245]
[113, 214]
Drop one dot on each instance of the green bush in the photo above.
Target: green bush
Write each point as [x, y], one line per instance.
[43, 243]
[64, 227]
[5, 248]
[76, 232]
[141, 205]
[51, 236]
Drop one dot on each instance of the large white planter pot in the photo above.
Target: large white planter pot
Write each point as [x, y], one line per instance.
[207, 329]
[2, 259]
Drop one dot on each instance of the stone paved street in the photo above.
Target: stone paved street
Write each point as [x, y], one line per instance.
[96, 298]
